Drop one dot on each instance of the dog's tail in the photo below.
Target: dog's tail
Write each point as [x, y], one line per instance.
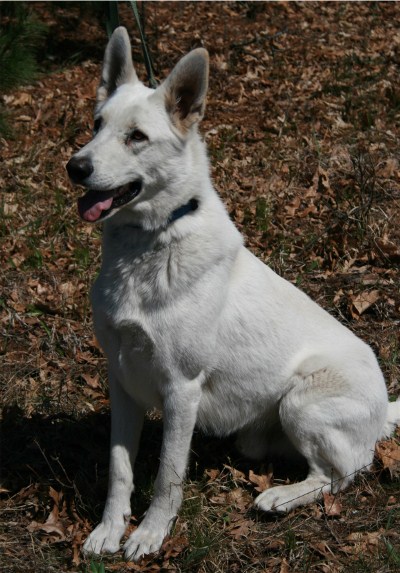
[392, 419]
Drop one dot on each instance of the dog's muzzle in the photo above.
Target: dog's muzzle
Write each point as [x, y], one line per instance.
[95, 205]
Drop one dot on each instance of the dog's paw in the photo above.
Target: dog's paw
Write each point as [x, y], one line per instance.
[105, 538]
[284, 498]
[142, 541]
[274, 499]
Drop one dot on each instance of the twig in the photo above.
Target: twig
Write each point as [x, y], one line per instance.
[146, 54]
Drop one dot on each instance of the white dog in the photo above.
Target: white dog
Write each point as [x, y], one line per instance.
[195, 325]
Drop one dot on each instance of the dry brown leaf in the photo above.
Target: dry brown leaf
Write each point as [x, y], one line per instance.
[292, 207]
[239, 498]
[364, 300]
[392, 500]
[55, 495]
[388, 168]
[388, 453]
[49, 527]
[174, 546]
[86, 357]
[338, 296]
[219, 499]
[76, 555]
[212, 474]
[53, 525]
[320, 183]
[322, 548]
[68, 289]
[263, 481]
[236, 474]
[388, 248]
[365, 541]
[22, 99]
[92, 381]
[311, 209]
[128, 566]
[332, 505]
[241, 528]
[284, 566]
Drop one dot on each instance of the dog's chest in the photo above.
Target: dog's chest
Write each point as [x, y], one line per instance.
[130, 352]
[127, 339]
[145, 331]
[133, 361]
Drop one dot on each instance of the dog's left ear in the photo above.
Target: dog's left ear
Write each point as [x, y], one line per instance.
[185, 89]
[117, 66]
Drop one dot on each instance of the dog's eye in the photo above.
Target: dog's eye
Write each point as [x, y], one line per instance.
[97, 124]
[136, 135]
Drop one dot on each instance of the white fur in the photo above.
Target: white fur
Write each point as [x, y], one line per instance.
[194, 324]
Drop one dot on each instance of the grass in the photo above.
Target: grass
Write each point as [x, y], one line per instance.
[96, 567]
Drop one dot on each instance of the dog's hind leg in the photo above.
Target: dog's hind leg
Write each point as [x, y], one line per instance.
[126, 426]
[333, 428]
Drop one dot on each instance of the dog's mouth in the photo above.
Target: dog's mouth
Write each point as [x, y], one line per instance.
[96, 205]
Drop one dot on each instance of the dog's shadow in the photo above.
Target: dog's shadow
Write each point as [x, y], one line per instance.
[72, 455]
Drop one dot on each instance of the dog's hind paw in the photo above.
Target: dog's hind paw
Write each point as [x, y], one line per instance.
[273, 500]
[105, 538]
[284, 498]
[143, 541]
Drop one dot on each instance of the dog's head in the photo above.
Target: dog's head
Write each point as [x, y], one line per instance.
[138, 157]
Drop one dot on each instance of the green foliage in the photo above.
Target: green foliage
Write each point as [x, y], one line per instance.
[5, 129]
[112, 17]
[20, 36]
[97, 567]
[263, 214]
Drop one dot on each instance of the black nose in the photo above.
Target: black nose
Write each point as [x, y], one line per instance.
[79, 168]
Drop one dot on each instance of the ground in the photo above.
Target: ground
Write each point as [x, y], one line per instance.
[302, 126]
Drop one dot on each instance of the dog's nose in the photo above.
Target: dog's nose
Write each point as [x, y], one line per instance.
[79, 168]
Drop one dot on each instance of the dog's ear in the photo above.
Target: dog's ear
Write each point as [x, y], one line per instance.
[185, 89]
[117, 66]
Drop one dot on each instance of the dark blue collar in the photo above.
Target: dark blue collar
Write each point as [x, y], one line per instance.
[192, 205]
[182, 211]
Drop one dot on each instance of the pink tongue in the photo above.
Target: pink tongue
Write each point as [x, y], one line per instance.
[94, 212]
[91, 205]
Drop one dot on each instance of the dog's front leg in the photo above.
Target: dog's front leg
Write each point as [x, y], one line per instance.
[180, 406]
[126, 426]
